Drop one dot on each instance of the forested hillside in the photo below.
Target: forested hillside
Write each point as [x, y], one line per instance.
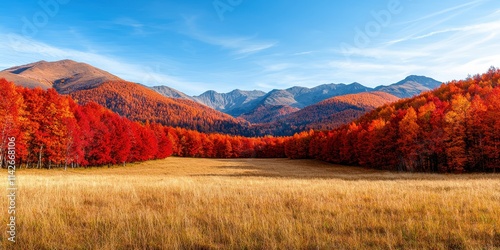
[51, 130]
[455, 128]
[142, 104]
[268, 114]
[336, 111]
[326, 115]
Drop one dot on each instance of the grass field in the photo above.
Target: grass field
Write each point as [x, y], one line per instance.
[183, 203]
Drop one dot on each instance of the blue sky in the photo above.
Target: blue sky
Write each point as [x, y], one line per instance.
[197, 45]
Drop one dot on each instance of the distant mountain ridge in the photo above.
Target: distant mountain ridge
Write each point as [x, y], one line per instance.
[240, 102]
[67, 76]
[300, 97]
[411, 86]
[260, 107]
[234, 103]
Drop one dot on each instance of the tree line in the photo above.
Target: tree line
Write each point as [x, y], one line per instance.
[455, 128]
[53, 130]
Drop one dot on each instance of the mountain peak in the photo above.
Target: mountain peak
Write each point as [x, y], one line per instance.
[423, 80]
[171, 92]
[39, 62]
[410, 86]
[65, 75]
[356, 85]
[209, 93]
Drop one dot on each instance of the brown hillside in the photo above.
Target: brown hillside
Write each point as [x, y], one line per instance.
[65, 76]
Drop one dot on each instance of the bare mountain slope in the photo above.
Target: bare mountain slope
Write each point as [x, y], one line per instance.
[410, 86]
[234, 103]
[65, 76]
[172, 93]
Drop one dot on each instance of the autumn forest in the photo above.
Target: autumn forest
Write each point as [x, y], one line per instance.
[455, 128]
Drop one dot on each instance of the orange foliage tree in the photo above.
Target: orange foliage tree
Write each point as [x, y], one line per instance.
[455, 128]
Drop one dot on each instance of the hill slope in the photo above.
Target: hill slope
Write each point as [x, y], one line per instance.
[328, 114]
[339, 110]
[454, 128]
[140, 103]
[268, 113]
[65, 76]
[172, 93]
[304, 97]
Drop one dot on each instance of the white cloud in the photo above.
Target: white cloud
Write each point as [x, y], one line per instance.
[441, 13]
[470, 29]
[17, 50]
[434, 45]
[253, 48]
[303, 53]
[273, 67]
[445, 51]
[240, 46]
[129, 22]
[415, 28]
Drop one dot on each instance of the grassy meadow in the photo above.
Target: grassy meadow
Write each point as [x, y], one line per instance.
[184, 203]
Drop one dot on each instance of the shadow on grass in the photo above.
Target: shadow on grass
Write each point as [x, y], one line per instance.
[313, 169]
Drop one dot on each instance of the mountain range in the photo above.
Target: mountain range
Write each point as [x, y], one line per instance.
[239, 103]
[250, 113]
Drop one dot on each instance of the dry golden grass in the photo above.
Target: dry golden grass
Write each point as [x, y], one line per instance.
[182, 203]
